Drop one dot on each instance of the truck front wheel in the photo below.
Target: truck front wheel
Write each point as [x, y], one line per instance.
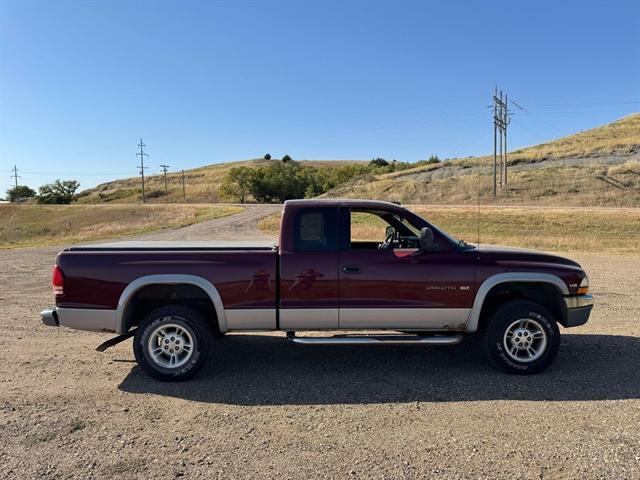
[172, 343]
[521, 337]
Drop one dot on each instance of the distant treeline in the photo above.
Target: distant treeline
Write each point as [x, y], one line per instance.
[287, 179]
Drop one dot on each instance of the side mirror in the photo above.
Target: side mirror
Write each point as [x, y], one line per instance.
[427, 243]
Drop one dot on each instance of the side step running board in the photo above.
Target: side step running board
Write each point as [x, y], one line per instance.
[377, 340]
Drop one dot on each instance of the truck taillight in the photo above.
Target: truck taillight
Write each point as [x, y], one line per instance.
[57, 280]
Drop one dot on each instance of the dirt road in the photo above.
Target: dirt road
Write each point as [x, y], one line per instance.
[235, 227]
[265, 409]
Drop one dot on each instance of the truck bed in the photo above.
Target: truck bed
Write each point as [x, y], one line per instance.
[134, 246]
[243, 273]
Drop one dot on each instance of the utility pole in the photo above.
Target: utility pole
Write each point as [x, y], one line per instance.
[500, 115]
[184, 193]
[500, 122]
[505, 122]
[15, 175]
[164, 169]
[141, 166]
[495, 129]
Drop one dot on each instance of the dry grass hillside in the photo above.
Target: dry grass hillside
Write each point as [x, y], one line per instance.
[202, 184]
[37, 225]
[561, 172]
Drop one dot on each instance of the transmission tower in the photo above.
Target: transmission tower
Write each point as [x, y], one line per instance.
[15, 175]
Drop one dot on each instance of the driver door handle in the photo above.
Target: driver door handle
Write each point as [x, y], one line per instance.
[352, 269]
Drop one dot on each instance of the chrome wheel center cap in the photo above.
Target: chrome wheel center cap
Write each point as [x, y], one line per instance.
[173, 343]
[522, 338]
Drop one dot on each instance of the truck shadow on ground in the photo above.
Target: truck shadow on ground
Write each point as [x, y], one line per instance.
[265, 370]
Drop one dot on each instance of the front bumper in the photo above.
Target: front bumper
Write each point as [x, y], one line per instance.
[49, 318]
[578, 310]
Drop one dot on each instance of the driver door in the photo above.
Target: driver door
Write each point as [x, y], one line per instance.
[397, 288]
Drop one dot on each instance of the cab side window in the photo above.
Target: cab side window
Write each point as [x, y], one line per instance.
[380, 230]
[315, 230]
[367, 227]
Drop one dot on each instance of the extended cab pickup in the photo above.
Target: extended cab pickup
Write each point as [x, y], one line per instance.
[414, 284]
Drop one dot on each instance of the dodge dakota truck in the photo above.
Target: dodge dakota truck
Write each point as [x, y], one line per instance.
[413, 284]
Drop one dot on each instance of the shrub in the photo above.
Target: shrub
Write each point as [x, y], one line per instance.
[378, 162]
[58, 192]
[19, 193]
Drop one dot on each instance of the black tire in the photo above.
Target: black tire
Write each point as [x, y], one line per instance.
[188, 326]
[512, 352]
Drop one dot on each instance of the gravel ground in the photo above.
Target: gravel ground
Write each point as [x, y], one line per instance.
[265, 409]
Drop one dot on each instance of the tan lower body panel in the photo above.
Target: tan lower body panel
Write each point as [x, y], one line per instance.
[405, 318]
[251, 319]
[308, 318]
[87, 319]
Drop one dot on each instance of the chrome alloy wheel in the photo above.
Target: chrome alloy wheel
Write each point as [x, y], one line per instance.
[525, 340]
[170, 345]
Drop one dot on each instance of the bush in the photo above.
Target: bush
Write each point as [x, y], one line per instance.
[378, 162]
[154, 194]
[286, 180]
[19, 193]
[58, 192]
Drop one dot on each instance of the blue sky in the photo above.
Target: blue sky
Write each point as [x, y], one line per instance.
[206, 82]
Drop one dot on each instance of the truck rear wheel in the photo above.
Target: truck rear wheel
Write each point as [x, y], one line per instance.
[172, 343]
[521, 337]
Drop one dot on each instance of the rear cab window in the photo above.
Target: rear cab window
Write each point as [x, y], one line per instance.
[315, 230]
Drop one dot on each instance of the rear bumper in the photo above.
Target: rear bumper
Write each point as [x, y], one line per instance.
[80, 319]
[49, 318]
[578, 310]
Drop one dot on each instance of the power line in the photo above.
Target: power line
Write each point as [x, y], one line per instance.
[85, 174]
[580, 104]
[141, 166]
[536, 134]
[574, 112]
[545, 124]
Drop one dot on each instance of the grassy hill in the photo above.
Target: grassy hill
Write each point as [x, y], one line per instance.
[561, 172]
[37, 225]
[202, 184]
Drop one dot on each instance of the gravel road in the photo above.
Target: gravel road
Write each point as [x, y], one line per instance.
[243, 225]
[264, 409]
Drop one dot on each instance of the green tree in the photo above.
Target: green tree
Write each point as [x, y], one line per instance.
[280, 181]
[237, 183]
[267, 156]
[286, 159]
[58, 192]
[20, 192]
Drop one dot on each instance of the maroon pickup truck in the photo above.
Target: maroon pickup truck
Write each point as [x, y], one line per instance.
[415, 284]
